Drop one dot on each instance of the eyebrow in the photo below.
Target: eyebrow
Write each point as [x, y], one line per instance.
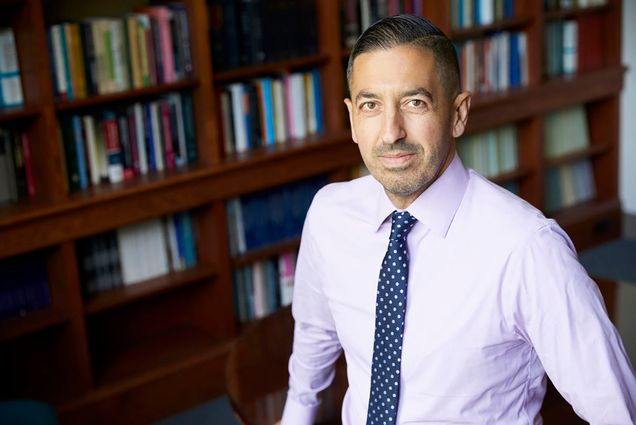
[365, 94]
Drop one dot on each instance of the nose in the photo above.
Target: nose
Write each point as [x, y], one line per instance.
[393, 126]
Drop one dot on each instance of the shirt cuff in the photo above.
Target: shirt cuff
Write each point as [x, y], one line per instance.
[296, 413]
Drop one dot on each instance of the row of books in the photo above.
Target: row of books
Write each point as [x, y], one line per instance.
[574, 45]
[16, 168]
[469, 13]
[269, 216]
[105, 55]
[270, 110]
[494, 63]
[565, 131]
[10, 82]
[570, 4]
[247, 32]
[137, 252]
[490, 153]
[357, 15]
[119, 144]
[264, 286]
[569, 184]
[24, 285]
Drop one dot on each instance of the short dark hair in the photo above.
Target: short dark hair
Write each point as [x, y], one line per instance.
[401, 30]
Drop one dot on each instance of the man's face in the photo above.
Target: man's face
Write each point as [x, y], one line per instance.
[402, 119]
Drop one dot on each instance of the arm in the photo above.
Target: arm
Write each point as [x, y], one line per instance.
[560, 312]
[316, 346]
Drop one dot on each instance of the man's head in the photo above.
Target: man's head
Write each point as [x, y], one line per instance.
[416, 31]
[405, 107]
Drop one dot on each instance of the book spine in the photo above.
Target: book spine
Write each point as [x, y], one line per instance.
[113, 148]
[10, 84]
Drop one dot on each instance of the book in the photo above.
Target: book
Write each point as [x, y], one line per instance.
[10, 82]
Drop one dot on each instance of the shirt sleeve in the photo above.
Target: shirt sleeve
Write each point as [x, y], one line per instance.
[316, 346]
[559, 310]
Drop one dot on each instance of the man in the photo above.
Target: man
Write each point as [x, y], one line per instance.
[496, 297]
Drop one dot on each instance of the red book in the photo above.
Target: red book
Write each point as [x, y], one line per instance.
[168, 134]
[113, 148]
[28, 165]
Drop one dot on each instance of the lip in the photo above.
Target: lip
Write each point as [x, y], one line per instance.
[397, 159]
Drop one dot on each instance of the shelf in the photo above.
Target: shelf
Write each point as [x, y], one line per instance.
[513, 175]
[157, 354]
[31, 322]
[267, 252]
[17, 114]
[575, 12]
[125, 95]
[37, 225]
[496, 109]
[148, 288]
[511, 24]
[269, 68]
[591, 151]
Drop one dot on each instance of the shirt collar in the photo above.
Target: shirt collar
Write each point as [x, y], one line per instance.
[437, 205]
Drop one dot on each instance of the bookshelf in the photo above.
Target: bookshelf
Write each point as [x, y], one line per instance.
[145, 351]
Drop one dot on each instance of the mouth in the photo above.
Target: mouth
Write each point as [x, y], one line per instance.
[396, 159]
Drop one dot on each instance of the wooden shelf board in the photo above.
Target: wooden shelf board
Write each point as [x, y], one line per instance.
[591, 151]
[157, 354]
[37, 225]
[481, 30]
[148, 288]
[126, 95]
[573, 12]
[20, 113]
[266, 252]
[495, 109]
[269, 68]
[31, 322]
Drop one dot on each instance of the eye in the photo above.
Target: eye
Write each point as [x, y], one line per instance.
[368, 106]
[416, 103]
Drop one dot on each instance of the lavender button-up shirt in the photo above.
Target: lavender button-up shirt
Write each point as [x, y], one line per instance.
[496, 298]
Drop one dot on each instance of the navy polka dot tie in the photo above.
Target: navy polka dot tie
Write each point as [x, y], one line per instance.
[390, 307]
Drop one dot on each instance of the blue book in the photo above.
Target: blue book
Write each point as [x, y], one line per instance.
[315, 76]
[67, 65]
[249, 292]
[177, 219]
[515, 60]
[78, 139]
[150, 146]
[268, 110]
[509, 8]
[190, 254]
[24, 285]
[271, 277]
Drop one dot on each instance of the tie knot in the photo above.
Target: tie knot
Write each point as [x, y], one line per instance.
[401, 224]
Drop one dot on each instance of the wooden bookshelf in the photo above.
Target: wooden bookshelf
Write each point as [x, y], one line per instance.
[142, 352]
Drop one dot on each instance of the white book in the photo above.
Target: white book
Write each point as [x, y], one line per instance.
[11, 90]
[157, 145]
[154, 249]
[365, 14]
[570, 46]
[259, 286]
[102, 157]
[58, 59]
[504, 61]
[469, 47]
[119, 54]
[138, 112]
[522, 39]
[486, 12]
[238, 117]
[88, 123]
[127, 243]
[297, 105]
[280, 116]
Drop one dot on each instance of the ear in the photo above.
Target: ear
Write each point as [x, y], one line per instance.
[349, 104]
[461, 107]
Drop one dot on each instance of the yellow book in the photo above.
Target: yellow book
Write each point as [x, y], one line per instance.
[77, 58]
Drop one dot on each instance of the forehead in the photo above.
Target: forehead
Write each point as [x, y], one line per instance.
[397, 67]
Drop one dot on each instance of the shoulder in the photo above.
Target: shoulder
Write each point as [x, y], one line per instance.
[342, 196]
[501, 216]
